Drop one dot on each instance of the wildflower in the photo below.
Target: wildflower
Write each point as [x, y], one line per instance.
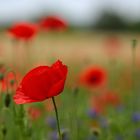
[52, 122]
[104, 122]
[110, 98]
[54, 135]
[137, 133]
[93, 77]
[24, 31]
[112, 45]
[41, 83]
[93, 114]
[53, 23]
[136, 117]
[104, 100]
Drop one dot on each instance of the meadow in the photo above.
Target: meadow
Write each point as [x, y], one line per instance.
[105, 108]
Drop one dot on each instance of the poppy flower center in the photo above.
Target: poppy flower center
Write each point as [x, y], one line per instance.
[94, 79]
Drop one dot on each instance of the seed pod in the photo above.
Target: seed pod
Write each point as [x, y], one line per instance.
[7, 100]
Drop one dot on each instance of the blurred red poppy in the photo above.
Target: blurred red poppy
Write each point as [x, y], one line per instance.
[23, 31]
[93, 77]
[111, 98]
[102, 101]
[8, 80]
[53, 23]
[41, 83]
[34, 113]
[112, 45]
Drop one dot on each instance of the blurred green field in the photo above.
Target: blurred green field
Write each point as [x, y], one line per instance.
[78, 50]
[74, 47]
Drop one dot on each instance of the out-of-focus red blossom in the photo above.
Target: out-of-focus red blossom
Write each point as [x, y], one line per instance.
[101, 102]
[9, 81]
[53, 23]
[93, 77]
[110, 98]
[34, 113]
[112, 45]
[41, 83]
[24, 31]
[12, 79]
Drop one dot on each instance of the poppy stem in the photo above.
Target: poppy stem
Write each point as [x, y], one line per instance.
[56, 113]
[134, 44]
[75, 95]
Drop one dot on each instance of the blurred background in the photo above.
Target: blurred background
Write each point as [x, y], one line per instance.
[96, 14]
[97, 29]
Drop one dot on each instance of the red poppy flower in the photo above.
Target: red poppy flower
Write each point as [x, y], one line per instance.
[101, 102]
[23, 31]
[53, 23]
[41, 83]
[8, 81]
[110, 98]
[112, 45]
[93, 77]
[34, 113]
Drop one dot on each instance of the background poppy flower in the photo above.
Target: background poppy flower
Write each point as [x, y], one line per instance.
[112, 45]
[102, 101]
[23, 31]
[110, 98]
[53, 23]
[41, 83]
[93, 77]
[34, 113]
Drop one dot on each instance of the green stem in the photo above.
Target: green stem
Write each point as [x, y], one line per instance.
[56, 113]
[75, 111]
[21, 121]
[134, 43]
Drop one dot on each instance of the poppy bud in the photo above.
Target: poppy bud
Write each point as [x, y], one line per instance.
[7, 100]
[12, 82]
[65, 134]
[1, 76]
[4, 130]
[29, 131]
[134, 43]
[75, 90]
[95, 131]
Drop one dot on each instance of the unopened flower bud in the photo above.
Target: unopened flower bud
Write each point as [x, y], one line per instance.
[7, 100]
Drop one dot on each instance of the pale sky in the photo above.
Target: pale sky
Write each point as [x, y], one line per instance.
[77, 12]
